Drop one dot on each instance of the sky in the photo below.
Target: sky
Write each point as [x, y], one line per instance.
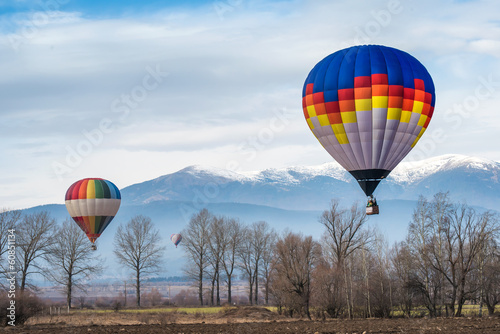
[132, 90]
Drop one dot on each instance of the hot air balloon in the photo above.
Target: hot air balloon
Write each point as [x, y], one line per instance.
[176, 238]
[368, 106]
[93, 203]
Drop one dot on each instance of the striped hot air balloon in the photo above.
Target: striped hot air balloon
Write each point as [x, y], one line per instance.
[93, 203]
[368, 106]
[176, 238]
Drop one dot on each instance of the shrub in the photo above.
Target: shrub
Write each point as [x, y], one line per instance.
[152, 298]
[102, 302]
[26, 306]
[116, 305]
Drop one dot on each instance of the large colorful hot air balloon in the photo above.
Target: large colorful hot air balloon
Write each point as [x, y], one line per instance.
[368, 106]
[93, 203]
[176, 238]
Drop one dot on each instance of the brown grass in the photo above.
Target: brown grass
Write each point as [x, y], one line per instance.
[153, 317]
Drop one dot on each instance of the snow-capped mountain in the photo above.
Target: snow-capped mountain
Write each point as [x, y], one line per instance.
[412, 172]
[469, 179]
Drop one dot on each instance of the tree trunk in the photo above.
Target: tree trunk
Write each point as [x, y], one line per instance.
[390, 295]
[453, 299]
[491, 309]
[267, 290]
[250, 285]
[307, 309]
[23, 281]
[212, 290]
[367, 282]
[350, 288]
[346, 288]
[218, 290]
[229, 298]
[138, 289]
[125, 293]
[481, 302]
[481, 291]
[461, 297]
[308, 294]
[459, 310]
[256, 284]
[69, 287]
[200, 287]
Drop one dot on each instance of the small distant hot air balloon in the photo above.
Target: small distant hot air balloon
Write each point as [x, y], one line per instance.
[93, 203]
[176, 238]
[368, 106]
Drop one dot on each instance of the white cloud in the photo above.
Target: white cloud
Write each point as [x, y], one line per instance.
[226, 79]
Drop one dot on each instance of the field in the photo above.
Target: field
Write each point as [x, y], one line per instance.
[240, 320]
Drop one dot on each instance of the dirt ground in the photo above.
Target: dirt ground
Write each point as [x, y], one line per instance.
[246, 320]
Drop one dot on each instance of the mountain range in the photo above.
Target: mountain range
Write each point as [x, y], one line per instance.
[293, 198]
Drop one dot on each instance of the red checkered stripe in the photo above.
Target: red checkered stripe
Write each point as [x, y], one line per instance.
[369, 92]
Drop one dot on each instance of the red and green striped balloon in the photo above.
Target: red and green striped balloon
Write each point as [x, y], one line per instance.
[93, 203]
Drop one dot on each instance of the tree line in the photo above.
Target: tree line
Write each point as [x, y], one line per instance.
[218, 247]
[62, 254]
[450, 257]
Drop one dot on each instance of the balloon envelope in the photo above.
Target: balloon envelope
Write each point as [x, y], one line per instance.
[93, 203]
[176, 238]
[368, 106]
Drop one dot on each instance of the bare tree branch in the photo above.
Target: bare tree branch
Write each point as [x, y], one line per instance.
[34, 238]
[71, 260]
[137, 247]
[196, 238]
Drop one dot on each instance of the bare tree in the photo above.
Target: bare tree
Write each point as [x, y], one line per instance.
[425, 280]
[441, 208]
[267, 259]
[344, 231]
[255, 241]
[447, 240]
[295, 259]
[261, 234]
[491, 276]
[381, 286]
[343, 236]
[327, 294]
[137, 246]
[403, 270]
[34, 237]
[466, 233]
[246, 260]
[366, 268]
[196, 237]
[217, 247]
[71, 259]
[232, 238]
